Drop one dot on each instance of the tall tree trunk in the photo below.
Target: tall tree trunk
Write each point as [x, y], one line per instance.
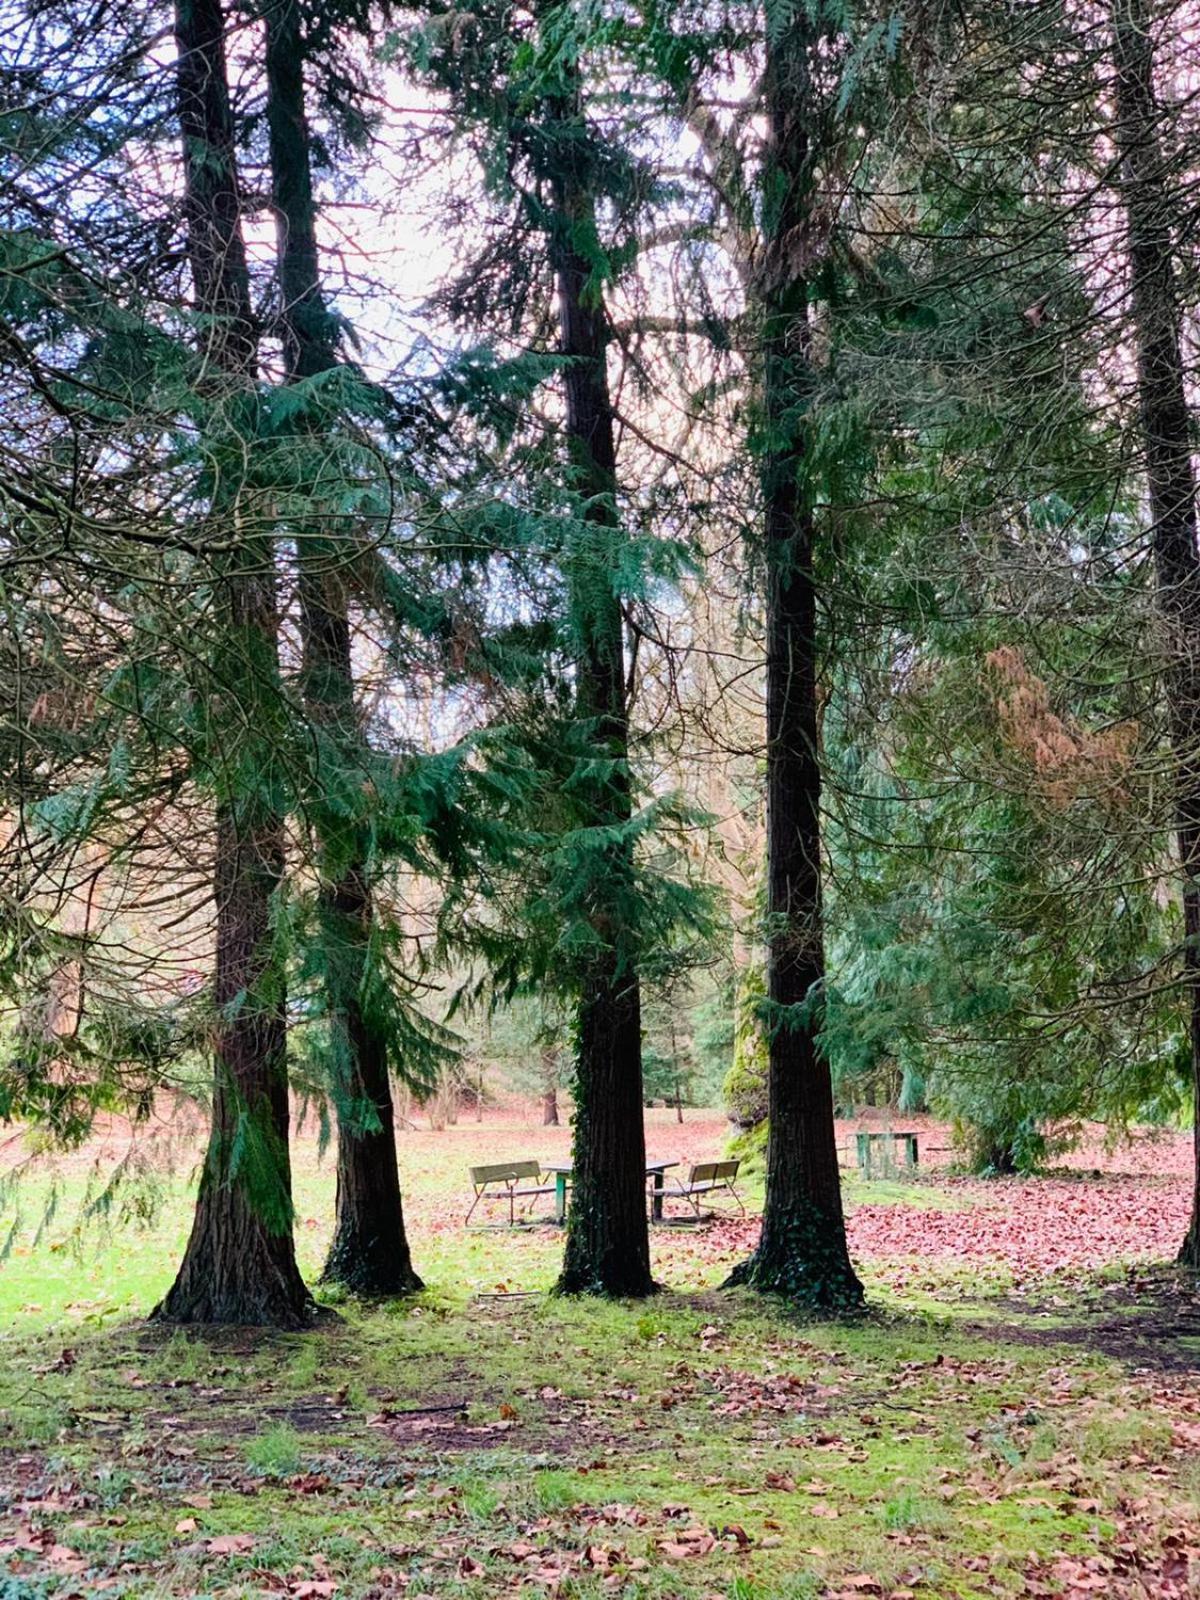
[1170, 477]
[550, 1089]
[608, 1245]
[369, 1253]
[240, 1263]
[802, 1249]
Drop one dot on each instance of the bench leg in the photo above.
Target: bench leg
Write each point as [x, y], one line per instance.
[474, 1203]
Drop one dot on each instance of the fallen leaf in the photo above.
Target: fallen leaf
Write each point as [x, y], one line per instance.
[676, 1552]
[231, 1544]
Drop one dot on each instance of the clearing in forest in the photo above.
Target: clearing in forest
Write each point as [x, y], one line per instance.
[1018, 1414]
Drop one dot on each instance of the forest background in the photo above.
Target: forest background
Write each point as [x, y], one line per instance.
[714, 616]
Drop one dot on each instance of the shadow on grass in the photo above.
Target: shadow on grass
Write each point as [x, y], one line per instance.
[1148, 1318]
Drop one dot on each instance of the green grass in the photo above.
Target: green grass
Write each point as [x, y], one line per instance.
[920, 1193]
[276, 1452]
[589, 1447]
[884, 1447]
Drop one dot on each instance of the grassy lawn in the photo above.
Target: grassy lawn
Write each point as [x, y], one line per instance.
[487, 1438]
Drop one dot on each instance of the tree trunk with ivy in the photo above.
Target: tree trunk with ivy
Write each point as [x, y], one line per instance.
[1170, 477]
[369, 1253]
[802, 1250]
[608, 1244]
[240, 1265]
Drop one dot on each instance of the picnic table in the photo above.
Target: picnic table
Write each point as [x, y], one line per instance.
[866, 1141]
[655, 1170]
[507, 1181]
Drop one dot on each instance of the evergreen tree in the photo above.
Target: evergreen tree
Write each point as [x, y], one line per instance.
[802, 1250]
[156, 711]
[239, 1265]
[774, 225]
[88, 758]
[1166, 427]
[517, 81]
[608, 1245]
[369, 1251]
[997, 790]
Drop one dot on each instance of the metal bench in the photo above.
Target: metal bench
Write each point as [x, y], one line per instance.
[707, 1177]
[503, 1181]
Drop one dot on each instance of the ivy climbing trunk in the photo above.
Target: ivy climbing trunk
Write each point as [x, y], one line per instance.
[1170, 476]
[608, 1244]
[369, 1252]
[240, 1265]
[802, 1249]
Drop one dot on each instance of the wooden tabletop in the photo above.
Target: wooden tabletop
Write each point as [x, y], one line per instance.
[651, 1166]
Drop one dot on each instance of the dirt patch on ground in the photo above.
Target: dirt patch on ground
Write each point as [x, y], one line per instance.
[1151, 1322]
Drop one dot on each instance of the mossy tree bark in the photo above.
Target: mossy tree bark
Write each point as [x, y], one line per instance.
[1170, 476]
[608, 1244]
[802, 1250]
[239, 1266]
[369, 1252]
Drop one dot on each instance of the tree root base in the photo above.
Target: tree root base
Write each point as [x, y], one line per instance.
[579, 1283]
[371, 1284]
[825, 1286]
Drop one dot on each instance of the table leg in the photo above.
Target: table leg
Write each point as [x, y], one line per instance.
[560, 1197]
[656, 1197]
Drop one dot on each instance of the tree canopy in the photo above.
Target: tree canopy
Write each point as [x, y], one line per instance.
[659, 540]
